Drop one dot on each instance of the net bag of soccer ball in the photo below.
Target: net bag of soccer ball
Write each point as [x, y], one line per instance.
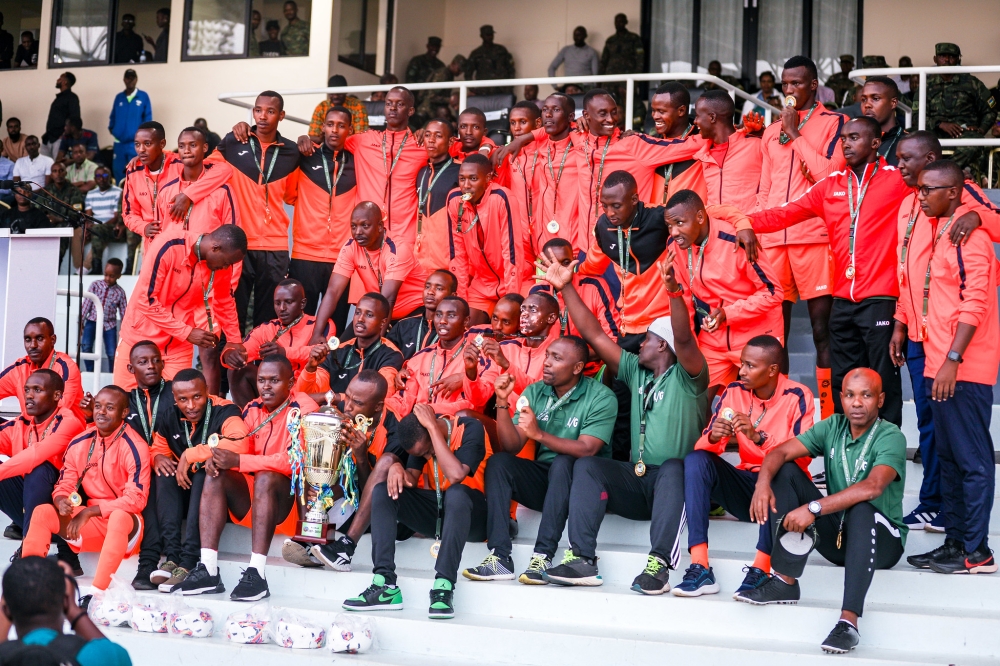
[113, 607]
[291, 630]
[150, 615]
[249, 627]
[183, 620]
[350, 633]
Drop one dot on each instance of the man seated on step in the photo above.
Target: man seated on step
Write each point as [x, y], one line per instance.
[448, 453]
[563, 418]
[180, 449]
[859, 523]
[35, 445]
[412, 334]
[450, 375]
[760, 411]
[40, 352]
[102, 490]
[668, 383]
[251, 488]
[327, 370]
[288, 335]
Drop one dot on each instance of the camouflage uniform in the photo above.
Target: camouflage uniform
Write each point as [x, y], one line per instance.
[295, 37]
[867, 62]
[623, 54]
[420, 70]
[254, 45]
[433, 99]
[839, 82]
[491, 61]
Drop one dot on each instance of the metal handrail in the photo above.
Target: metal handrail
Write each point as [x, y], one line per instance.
[859, 75]
[98, 353]
[463, 88]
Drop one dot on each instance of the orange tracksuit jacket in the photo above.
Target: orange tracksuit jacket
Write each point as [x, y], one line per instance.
[750, 293]
[319, 381]
[168, 299]
[781, 179]
[485, 241]
[595, 151]
[912, 269]
[393, 188]
[518, 176]
[295, 341]
[874, 236]
[649, 160]
[12, 380]
[557, 197]
[268, 447]
[28, 444]
[788, 413]
[143, 191]
[393, 261]
[119, 471]
[456, 152]
[434, 183]
[321, 223]
[216, 208]
[736, 181]
[474, 393]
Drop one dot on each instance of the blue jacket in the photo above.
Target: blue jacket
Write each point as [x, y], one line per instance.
[127, 116]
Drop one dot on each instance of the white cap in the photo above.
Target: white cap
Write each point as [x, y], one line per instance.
[664, 329]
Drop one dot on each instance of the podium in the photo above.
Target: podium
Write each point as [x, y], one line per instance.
[29, 271]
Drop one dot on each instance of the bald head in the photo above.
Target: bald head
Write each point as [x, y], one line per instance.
[864, 377]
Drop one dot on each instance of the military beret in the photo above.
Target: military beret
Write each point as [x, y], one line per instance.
[947, 48]
[848, 57]
[873, 61]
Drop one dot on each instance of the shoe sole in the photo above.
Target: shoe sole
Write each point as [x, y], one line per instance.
[381, 607]
[934, 529]
[216, 589]
[744, 600]
[256, 597]
[704, 589]
[318, 554]
[650, 593]
[983, 569]
[589, 581]
[525, 580]
[143, 586]
[835, 650]
[299, 556]
[440, 616]
[471, 576]
[158, 580]
[923, 567]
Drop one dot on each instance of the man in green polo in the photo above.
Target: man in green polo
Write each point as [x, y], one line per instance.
[859, 522]
[568, 416]
[668, 380]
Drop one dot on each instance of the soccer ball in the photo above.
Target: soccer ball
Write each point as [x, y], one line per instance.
[111, 614]
[349, 634]
[149, 618]
[246, 629]
[195, 623]
[293, 635]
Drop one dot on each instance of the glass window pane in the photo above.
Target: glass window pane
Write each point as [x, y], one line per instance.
[21, 21]
[142, 31]
[216, 28]
[834, 31]
[722, 36]
[277, 30]
[670, 47]
[780, 34]
[81, 33]
[358, 33]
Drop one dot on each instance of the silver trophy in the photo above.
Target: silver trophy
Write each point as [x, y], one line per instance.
[323, 452]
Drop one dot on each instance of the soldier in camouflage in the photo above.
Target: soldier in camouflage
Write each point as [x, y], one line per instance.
[423, 66]
[851, 99]
[255, 19]
[840, 83]
[959, 106]
[489, 61]
[295, 36]
[715, 69]
[623, 51]
[436, 100]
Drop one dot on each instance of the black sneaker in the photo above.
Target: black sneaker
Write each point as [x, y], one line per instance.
[141, 580]
[442, 600]
[337, 554]
[574, 570]
[755, 578]
[70, 558]
[535, 573]
[977, 562]
[950, 549]
[252, 586]
[199, 581]
[819, 480]
[842, 639]
[492, 568]
[774, 591]
[13, 532]
[654, 579]
[85, 602]
[378, 597]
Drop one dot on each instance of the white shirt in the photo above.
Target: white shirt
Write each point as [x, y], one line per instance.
[34, 170]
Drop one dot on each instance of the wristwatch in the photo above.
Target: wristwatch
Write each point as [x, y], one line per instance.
[955, 356]
[814, 508]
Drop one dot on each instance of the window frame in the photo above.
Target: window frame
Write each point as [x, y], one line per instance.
[57, 6]
[245, 55]
[388, 20]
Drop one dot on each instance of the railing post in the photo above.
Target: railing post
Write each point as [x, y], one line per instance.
[463, 97]
[922, 101]
[629, 102]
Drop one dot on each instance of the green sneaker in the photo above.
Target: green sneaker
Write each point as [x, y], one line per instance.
[378, 597]
[442, 600]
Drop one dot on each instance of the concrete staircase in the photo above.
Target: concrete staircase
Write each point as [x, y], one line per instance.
[912, 617]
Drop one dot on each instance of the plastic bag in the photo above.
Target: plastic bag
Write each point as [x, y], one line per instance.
[113, 607]
[149, 615]
[250, 626]
[187, 621]
[350, 633]
[291, 630]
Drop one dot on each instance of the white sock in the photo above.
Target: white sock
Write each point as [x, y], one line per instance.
[257, 561]
[210, 558]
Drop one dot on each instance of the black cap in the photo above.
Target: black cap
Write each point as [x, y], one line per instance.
[434, 41]
[130, 74]
[790, 551]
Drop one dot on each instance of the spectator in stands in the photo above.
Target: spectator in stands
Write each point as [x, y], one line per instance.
[66, 105]
[113, 299]
[436, 102]
[75, 134]
[623, 51]
[421, 67]
[255, 19]
[489, 61]
[840, 82]
[295, 35]
[39, 601]
[531, 95]
[213, 139]
[105, 204]
[27, 51]
[130, 109]
[163, 39]
[272, 47]
[33, 166]
[715, 69]
[6, 46]
[22, 216]
[79, 170]
[904, 81]
[578, 59]
[65, 198]
[128, 44]
[766, 94]
[13, 144]
[359, 115]
[387, 79]
[6, 173]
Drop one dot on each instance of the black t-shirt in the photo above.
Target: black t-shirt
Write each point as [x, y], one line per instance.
[343, 364]
[412, 334]
[137, 401]
[649, 238]
[128, 47]
[272, 48]
[470, 452]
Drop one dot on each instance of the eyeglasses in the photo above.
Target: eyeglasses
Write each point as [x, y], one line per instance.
[926, 189]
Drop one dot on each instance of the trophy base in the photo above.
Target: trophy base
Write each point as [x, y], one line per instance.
[309, 532]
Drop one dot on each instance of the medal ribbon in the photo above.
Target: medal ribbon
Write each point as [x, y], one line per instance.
[331, 186]
[437, 487]
[646, 396]
[265, 178]
[90, 452]
[204, 426]
[285, 329]
[423, 195]
[855, 211]
[557, 179]
[205, 291]
[784, 138]
[859, 463]
[269, 418]
[549, 407]
[927, 277]
[669, 173]
[911, 220]
[444, 356]
[148, 427]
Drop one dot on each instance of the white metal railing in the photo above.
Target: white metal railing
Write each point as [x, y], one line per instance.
[464, 86]
[98, 353]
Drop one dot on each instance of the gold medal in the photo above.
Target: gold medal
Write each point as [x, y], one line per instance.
[362, 423]
[479, 340]
[553, 227]
[728, 413]
[467, 196]
[640, 468]
[435, 549]
[333, 343]
[849, 272]
[790, 100]
[213, 441]
[522, 403]
[75, 499]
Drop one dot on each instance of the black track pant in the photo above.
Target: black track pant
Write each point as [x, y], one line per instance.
[262, 271]
[173, 505]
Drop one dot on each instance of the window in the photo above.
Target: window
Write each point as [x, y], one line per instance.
[721, 36]
[279, 28]
[218, 29]
[81, 31]
[834, 31]
[101, 32]
[361, 29]
[19, 24]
